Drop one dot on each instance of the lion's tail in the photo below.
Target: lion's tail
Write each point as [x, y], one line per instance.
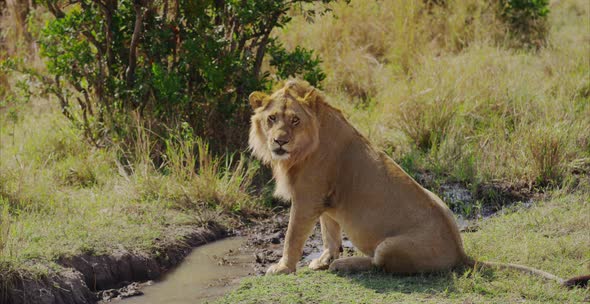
[580, 281]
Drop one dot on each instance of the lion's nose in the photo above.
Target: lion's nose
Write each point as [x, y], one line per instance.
[281, 141]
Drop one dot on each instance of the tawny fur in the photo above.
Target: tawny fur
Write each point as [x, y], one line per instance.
[332, 173]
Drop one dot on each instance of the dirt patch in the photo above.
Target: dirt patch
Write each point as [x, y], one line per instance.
[65, 286]
[482, 200]
[266, 238]
[89, 278]
[497, 195]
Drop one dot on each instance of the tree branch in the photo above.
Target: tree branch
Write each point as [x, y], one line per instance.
[107, 9]
[130, 72]
[261, 50]
[54, 9]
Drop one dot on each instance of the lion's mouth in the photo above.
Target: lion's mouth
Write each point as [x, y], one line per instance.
[279, 151]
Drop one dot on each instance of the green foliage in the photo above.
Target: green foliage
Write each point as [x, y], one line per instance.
[526, 8]
[298, 62]
[526, 20]
[20, 92]
[171, 62]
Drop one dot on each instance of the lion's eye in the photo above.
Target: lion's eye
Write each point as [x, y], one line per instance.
[272, 118]
[295, 121]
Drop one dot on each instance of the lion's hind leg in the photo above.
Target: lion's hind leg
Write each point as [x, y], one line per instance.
[406, 254]
[394, 254]
[352, 264]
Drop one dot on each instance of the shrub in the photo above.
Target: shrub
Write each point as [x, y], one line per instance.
[526, 21]
[170, 61]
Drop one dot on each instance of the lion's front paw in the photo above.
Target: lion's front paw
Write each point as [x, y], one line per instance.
[279, 269]
[318, 264]
[323, 262]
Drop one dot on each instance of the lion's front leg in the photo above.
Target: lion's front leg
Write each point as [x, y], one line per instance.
[332, 242]
[301, 221]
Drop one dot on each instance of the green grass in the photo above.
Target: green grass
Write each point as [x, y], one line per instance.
[59, 196]
[552, 235]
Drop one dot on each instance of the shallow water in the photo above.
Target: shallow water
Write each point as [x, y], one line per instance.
[209, 272]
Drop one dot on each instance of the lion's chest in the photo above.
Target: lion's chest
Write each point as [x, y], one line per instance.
[283, 188]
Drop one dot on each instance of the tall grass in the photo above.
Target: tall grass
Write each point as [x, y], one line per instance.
[365, 45]
[445, 86]
[198, 177]
[4, 228]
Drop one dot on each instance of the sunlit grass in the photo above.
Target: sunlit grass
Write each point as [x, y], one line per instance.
[59, 196]
[429, 81]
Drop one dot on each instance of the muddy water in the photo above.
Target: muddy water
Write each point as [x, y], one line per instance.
[209, 272]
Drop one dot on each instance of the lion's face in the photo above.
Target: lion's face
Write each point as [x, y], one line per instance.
[284, 126]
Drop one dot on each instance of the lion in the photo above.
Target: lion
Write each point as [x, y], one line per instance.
[330, 172]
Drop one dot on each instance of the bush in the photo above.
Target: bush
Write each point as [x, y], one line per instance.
[526, 21]
[172, 62]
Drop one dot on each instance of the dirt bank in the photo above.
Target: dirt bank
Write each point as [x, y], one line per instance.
[89, 278]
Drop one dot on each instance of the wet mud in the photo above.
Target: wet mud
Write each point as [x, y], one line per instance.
[267, 236]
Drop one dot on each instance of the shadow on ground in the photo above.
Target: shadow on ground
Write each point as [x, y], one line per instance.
[426, 283]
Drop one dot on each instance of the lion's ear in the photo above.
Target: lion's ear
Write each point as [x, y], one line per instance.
[312, 98]
[257, 99]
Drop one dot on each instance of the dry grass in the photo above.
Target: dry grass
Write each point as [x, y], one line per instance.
[371, 43]
[444, 86]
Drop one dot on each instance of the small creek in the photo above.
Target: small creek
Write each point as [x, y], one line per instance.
[209, 272]
[212, 270]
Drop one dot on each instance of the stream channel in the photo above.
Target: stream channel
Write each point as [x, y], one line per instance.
[212, 270]
[208, 273]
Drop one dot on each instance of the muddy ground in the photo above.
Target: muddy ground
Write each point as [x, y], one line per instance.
[266, 238]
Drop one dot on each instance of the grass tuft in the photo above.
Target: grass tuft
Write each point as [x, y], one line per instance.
[548, 150]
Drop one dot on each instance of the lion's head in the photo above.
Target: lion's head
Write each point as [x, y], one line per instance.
[284, 125]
